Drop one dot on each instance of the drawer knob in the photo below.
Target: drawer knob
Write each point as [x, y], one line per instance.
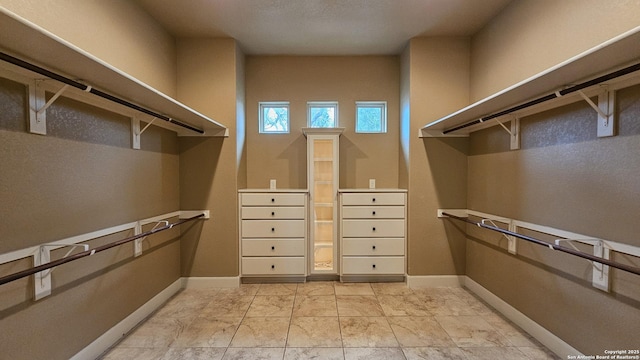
[273, 200]
[374, 229]
[374, 247]
[273, 213]
[374, 199]
[273, 248]
[374, 266]
[273, 267]
[273, 229]
[373, 213]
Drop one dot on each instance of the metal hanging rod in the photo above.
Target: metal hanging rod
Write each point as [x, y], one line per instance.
[49, 265]
[65, 80]
[631, 269]
[551, 96]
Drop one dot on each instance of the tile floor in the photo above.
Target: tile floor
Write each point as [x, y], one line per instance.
[327, 320]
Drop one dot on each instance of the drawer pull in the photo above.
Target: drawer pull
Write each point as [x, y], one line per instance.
[273, 248]
[374, 229]
[273, 267]
[373, 247]
[273, 213]
[374, 199]
[273, 200]
[273, 229]
[373, 213]
[374, 266]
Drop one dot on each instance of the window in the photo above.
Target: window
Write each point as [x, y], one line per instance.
[322, 114]
[274, 117]
[371, 116]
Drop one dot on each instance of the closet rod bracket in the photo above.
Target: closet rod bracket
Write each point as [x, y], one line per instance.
[605, 109]
[42, 279]
[600, 274]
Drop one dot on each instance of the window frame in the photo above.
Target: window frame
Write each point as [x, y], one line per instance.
[321, 104]
[267, 104]
[382, 105]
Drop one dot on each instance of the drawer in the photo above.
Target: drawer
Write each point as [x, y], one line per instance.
[373, 199]
[372, 247]
[273, 229]
[373, 212]
[264, 199]
[272, 247]
[273, 212]
[273, 266]
[373, 265]
[373, 228]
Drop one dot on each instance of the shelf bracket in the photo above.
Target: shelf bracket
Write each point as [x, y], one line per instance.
[605, 110]
[42, 279]
[37, 119]
[514, 132]
[600, 275]
[137, 244]
[137, 133]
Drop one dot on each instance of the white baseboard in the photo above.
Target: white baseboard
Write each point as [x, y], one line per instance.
[106, 340]
[210, 282]
[435, 281]
[547, 338]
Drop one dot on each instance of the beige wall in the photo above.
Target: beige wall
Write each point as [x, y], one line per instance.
[564, 177]
[344, 79]
[439, 83]
[82, 176]
[118, 32]
[530, 36]
[207, 71]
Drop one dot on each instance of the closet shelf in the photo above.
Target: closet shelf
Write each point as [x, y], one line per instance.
[29, 42]
[611, 55]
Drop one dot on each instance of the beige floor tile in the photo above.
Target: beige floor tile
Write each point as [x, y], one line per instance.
[322, 305]
[471, 331]
[228, 306]
[314, 332]
[394, 288]
[367, 332]
[194, 354]
[122, 353]
[242, 290]
[277, 289]
[353, 289]
[271, 305]
[419, 331]
[315, 288]
[155, 332]
[493, 353]
[358, 305]
[510, 331]
[186, 305]
[434, 353]
[373, 354]
[538, 353]
[261, 332]
[207, 331]
[254, 354]
[408, 305]
[314, 353]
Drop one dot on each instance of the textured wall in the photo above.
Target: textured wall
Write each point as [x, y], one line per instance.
[564, 177]
[81, 177]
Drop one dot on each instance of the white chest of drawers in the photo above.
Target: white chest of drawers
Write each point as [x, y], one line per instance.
[273, 233]
[372, 233]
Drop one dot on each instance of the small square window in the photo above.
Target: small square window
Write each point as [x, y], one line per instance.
[371, 116]
[274, 117]
[322, 114]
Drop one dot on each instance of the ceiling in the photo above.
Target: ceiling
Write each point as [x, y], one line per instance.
[322, 27]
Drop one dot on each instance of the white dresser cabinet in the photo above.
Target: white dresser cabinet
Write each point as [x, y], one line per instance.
[273, 233]
[373, 234]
